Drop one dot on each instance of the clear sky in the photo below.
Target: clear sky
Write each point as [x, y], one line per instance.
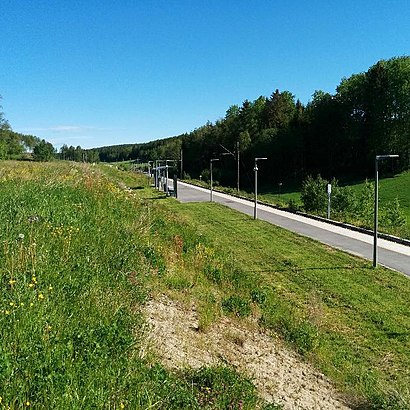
[95, 73]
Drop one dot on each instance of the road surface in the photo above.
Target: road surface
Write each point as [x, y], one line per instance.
[391, 255]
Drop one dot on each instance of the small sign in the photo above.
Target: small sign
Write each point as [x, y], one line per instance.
[329, 189]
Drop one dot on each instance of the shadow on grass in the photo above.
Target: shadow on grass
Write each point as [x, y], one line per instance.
[299, 269]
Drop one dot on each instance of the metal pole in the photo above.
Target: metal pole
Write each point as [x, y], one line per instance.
[255, 210]
[329, 193]
[376, 209]
[210, 166]
[182, 168]
[237, 166]
[376, 203]
[211, 179]
[166, 170]
[156, 174]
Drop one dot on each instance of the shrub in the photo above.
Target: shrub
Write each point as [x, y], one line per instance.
[236, 305]
[313, 194]
[391, 215]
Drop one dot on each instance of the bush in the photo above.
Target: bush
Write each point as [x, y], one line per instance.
[392, 216]
[313, 194]
[236, 305]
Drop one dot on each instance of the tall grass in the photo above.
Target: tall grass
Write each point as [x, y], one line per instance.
[82, 248]
[76, 258]
[348, 319]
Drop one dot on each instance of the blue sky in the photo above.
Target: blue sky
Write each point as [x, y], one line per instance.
[95, 73]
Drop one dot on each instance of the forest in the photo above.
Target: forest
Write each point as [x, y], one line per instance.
[336, 135]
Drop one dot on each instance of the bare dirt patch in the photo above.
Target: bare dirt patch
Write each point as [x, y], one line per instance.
[278, 373]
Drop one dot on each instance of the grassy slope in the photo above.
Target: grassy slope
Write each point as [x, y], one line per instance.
[347, 318]
[92, 252]
[76, 262]
[391, 188]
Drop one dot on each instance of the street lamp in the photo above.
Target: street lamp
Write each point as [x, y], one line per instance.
[237, 161]
[158, 173]
[166, 170]
[210, 166]
[376, 202]
[255, 211]
[149, 170]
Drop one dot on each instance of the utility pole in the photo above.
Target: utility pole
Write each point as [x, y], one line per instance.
[376, 203]
[237, 166]
[210, 166]
[255, 209]
[182, 168]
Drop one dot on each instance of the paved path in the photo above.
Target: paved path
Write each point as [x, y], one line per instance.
[391, 254]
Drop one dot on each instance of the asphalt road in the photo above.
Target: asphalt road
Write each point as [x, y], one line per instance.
[391, 255]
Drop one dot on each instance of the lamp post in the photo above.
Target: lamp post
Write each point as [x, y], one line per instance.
[255, 211]
[149, 170]
[166, 171]
[156, 174]
[376, 203]
[210, 166]
[237, 161]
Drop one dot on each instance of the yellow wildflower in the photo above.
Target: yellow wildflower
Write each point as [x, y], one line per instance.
[31, 285]
[50, 288]
[12, 282]
[40, 296]
[7, 312]
[122, 406]
[27, 403]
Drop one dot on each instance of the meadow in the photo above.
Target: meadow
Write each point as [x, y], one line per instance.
[83, 248]
[391, 188]
[77, 257]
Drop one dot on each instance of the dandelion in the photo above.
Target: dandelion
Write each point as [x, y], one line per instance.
[31, 304]
[7, 312]
[34, 279]
[12, 282]
[50, 288]
[31, 285]
[27, 403]
[122, 405]
[40, 296]
[12, 304]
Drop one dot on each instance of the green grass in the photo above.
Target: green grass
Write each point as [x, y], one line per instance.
[389, 189]
[348, 319]
[76, 261]
[82, 248]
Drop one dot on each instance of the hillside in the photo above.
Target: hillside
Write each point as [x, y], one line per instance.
[92, 255]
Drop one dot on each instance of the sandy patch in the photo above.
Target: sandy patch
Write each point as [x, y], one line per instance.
[278, 373]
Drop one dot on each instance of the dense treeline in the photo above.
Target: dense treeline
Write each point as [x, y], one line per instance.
[14, 145]
[334, 134]
[78, 154]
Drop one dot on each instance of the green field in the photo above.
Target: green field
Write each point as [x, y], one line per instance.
[82, 249]
[390, 189]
